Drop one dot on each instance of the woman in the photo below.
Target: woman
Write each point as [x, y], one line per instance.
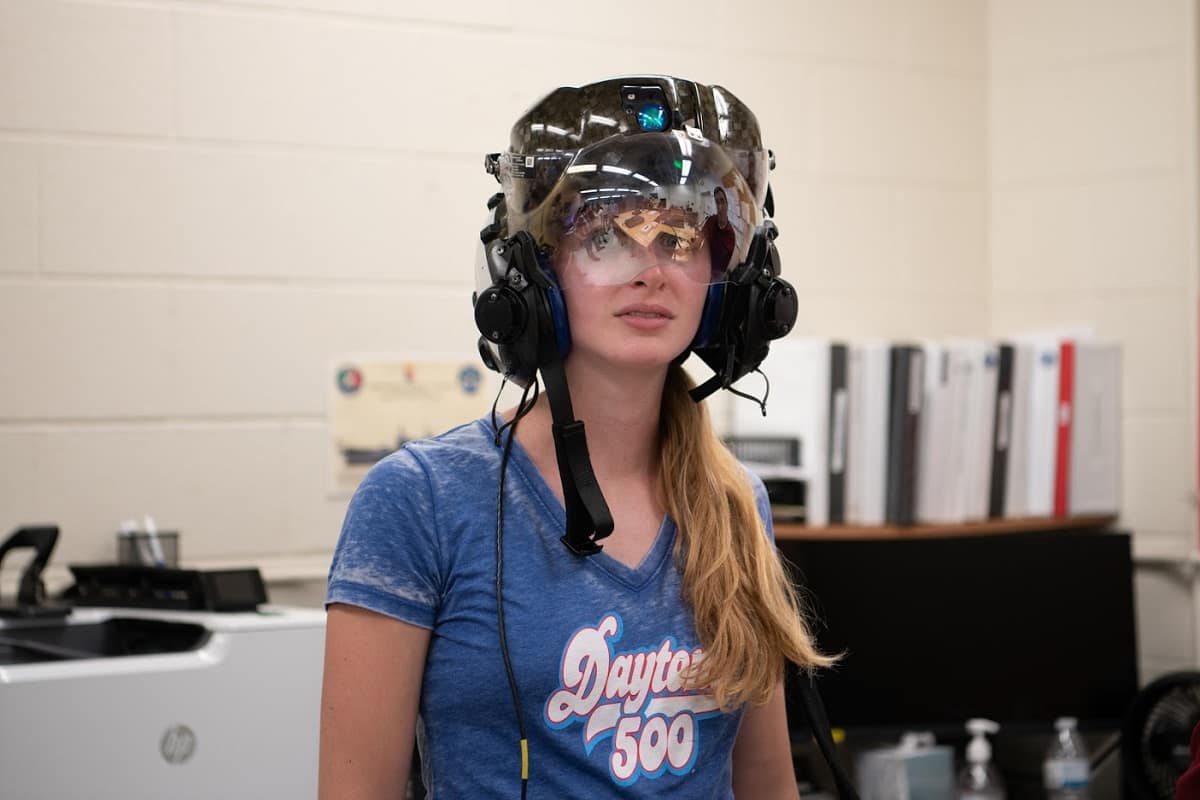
[645, 659]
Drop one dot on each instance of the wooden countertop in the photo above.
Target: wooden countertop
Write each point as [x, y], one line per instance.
[792, 530]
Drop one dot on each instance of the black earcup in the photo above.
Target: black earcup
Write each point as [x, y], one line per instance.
[500, 314]
[778, 309]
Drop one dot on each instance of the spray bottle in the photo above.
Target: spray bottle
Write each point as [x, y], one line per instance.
[979, 780]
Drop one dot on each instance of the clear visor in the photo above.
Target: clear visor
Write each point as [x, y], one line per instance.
[635, 202]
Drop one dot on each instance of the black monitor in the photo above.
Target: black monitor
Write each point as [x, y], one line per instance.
[1018, 628]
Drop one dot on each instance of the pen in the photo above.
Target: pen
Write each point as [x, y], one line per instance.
[156, 550]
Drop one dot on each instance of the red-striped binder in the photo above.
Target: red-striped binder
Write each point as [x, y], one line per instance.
[1062, 461]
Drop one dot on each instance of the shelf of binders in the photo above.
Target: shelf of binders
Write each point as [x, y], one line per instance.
[1025, 433]
[1088, 523]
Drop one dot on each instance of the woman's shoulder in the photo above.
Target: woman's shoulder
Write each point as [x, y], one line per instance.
[465, 447]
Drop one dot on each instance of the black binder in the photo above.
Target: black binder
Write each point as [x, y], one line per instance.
[905, 396]
[1001, 432]
[838, 432]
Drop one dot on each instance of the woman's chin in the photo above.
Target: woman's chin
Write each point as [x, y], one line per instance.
[642, 356]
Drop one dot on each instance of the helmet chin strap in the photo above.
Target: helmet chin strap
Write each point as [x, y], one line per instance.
[588, 517]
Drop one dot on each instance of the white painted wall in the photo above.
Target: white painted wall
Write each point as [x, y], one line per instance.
[1093, 219]
[203, 202]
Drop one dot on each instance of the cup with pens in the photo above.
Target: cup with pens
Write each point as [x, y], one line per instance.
[143, 544]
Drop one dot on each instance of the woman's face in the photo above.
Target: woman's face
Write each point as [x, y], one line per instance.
[643, 323]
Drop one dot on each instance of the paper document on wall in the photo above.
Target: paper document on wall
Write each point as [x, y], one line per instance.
[379, 404]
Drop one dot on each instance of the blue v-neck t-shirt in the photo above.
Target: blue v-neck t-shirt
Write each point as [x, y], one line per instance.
[598, 647]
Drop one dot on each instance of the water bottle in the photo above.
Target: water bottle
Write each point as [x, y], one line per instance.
[1065, 769]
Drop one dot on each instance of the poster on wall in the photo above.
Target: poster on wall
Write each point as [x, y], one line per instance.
[380, 403]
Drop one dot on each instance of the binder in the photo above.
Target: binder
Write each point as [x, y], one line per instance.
[868, 376]
[983, 413]
[1095, 454]
[1062, 461]
[1016, 493]
[962, 366]
[838, 422]
[1001, 432]
[933, 453]
[905, 400]
[1042, 433]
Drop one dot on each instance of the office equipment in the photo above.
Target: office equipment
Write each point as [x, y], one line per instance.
[145, 703]
[129, 586]
[798, 407]
[775, 460]
[938, 630]
[156, 701]
[31, 600]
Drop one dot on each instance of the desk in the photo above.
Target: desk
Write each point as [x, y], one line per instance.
[792, 530]
[644, 227]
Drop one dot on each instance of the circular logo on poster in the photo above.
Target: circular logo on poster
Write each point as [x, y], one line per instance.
[178, 744]
[469, 378]
[349, 380]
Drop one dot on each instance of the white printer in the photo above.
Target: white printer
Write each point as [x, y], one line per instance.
[126, 702]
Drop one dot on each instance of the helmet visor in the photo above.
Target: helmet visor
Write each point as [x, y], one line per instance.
[630, 203]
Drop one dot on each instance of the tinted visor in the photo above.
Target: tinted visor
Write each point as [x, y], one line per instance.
[632, 202]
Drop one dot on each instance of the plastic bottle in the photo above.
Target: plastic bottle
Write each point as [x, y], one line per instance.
[979, 780]
[1065, 769]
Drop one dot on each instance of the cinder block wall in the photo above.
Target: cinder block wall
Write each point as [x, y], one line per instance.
[203, 203]
[1093, 219]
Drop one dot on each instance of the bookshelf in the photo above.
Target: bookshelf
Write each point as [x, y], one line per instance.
[792, 530]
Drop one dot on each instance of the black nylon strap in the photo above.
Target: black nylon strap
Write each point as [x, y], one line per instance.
[810, 698]
[588, 517]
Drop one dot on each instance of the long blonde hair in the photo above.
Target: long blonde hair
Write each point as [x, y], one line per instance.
[747, 615]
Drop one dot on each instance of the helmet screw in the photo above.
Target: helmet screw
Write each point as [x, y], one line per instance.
[496, 335]
[491, 298]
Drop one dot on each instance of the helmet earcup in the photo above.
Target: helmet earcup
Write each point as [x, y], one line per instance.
[557, 308]
[710, 316]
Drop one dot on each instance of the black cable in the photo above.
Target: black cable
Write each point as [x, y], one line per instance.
[762, 404]
[814, 709]
[1104, 752]
[522, 410]
[496, 402]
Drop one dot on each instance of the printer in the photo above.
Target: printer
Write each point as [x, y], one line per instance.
[182, 700]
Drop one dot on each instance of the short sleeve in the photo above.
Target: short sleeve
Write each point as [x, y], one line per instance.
[386, 558]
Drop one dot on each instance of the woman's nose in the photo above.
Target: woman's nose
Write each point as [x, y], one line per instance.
[653, 275]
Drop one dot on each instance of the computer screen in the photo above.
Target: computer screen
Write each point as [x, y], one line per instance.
[1018, 628]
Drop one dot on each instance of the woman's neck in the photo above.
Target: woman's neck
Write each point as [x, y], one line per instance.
[620, 413]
